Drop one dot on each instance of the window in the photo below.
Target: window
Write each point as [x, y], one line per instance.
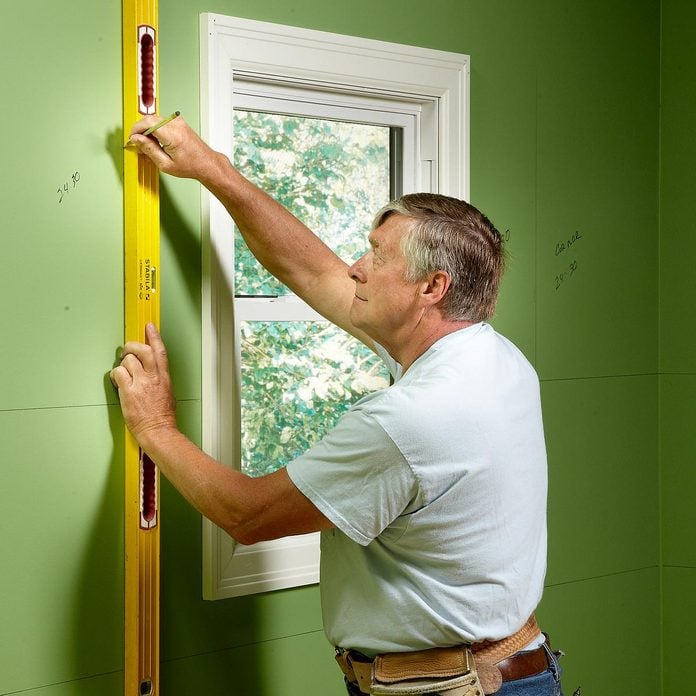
[310, 117]
[299, 373]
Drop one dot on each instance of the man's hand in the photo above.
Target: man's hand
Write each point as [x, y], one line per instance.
[144, 387]
[176, 149]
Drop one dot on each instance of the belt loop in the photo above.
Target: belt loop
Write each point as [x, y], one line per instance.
[345, 665]
[356, 670]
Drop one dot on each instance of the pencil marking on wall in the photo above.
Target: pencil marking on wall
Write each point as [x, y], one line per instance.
[561, 251]
[67, 186]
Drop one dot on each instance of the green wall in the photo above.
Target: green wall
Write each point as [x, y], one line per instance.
[564, 126]
[677, 339]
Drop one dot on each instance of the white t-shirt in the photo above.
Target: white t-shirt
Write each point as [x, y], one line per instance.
[437, 487]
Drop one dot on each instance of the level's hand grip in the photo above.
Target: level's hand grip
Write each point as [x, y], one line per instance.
[147, 63]
[148, 492]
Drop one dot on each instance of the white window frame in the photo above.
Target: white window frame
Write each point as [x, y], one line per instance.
[242, 62]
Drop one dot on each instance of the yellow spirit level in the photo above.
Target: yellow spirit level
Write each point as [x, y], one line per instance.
[141, 279]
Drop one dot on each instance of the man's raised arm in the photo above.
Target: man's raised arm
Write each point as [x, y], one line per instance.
[283, 244]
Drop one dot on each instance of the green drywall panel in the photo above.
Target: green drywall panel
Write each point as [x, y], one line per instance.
[678, 188]
[503, 165]
[678, 457]
[678, 621]
[100, 685]
[677, 338]
[297, 666]
[609, 629]
[597, 191]
[61, 586]
[61, 264]
[603, 476]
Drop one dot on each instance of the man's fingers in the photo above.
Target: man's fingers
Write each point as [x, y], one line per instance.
[150, 356]
[153, 336]
[140, 353]
[120, 377]
[133, 364]
[157, 344]
[144, 124]
[174, 147]
[150, 147]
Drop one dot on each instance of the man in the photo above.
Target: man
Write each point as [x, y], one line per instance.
[431, 494]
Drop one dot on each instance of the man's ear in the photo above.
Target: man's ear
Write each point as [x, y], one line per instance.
[435, 287]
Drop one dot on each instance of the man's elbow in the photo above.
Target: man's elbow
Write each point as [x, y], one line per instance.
[244, 537]
[245, 532]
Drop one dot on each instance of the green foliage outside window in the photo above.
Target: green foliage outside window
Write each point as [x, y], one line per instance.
[299, 376]
[332, 175]
[297, 379]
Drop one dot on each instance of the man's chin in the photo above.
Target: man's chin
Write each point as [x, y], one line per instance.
[357, 317]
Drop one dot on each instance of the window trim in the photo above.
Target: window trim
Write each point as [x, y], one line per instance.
[237, 52]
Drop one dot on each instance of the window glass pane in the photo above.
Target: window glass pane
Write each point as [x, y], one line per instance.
[332, 175]
[297, 379]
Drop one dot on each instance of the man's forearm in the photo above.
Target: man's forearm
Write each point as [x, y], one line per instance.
[216, 491]
[285, 246]
[248, 509]
[282, 243]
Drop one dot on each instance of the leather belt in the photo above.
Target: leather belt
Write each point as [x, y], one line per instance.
[524, 664]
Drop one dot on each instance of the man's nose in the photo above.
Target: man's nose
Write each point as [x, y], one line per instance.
[356, 271]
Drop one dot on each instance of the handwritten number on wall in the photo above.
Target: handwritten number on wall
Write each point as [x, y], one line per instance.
[67, 186]
[566, 274]
[569, 270]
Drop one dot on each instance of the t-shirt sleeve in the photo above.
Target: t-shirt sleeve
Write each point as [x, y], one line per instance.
[356, 476]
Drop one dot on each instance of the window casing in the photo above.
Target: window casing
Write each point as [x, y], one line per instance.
[420, 94]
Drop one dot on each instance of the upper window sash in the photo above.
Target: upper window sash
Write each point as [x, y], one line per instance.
[295, 101]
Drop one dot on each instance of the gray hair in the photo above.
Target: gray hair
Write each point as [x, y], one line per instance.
[450, 235]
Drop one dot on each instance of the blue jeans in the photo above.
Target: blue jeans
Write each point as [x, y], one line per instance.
[547, 683]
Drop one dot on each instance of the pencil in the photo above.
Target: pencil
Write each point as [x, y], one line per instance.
[152, 129]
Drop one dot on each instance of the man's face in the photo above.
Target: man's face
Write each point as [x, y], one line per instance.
[384, 303]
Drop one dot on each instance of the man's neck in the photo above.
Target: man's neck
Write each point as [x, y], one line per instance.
[421, 339]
